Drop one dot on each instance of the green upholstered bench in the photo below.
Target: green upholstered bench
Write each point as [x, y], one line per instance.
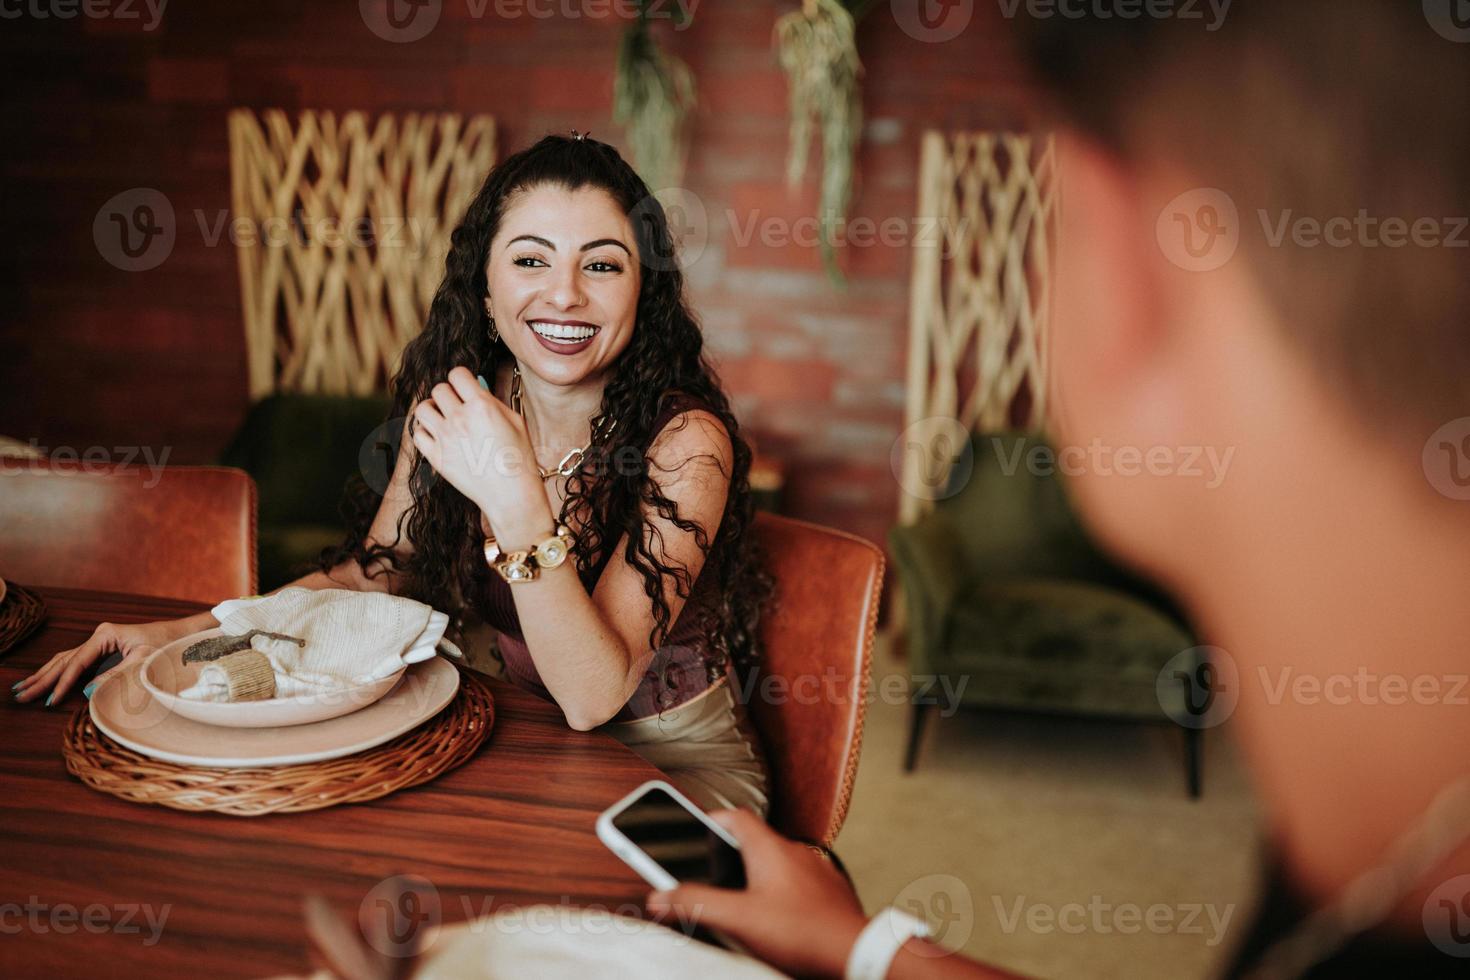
[1005, 589]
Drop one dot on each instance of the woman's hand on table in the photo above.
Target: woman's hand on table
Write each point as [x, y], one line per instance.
[60, 673]
[480, 446]
[797, 912]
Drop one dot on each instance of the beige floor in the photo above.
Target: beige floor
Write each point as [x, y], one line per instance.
[1056, 847]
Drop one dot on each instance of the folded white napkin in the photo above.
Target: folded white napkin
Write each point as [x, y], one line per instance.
[351, 638]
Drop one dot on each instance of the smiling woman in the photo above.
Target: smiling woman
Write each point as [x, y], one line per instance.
[561, 407]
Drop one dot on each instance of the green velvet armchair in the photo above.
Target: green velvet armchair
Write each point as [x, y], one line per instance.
[301, 450]
[1005, 589]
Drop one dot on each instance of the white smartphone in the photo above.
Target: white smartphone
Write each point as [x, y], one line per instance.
[668, 840]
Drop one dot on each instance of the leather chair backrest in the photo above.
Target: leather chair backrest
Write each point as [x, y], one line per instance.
[809, 696]
[184, 532]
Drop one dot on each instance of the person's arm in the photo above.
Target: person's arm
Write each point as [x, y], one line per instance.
[590, 651]
[797, 912]
[59, 673]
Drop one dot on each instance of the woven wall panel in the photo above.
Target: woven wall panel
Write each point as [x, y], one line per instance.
[351, 224]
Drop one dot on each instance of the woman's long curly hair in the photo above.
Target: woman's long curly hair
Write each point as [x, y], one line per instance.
[447, 568]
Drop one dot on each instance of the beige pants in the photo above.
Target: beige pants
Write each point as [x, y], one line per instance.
[706, 747]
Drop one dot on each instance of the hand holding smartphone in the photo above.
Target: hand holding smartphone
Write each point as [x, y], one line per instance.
[668, 841]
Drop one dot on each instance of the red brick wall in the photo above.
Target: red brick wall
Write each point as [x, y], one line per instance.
[94, 356]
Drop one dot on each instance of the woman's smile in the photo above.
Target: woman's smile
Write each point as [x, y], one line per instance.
[564, 336]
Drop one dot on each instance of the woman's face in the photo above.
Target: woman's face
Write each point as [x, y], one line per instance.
[563, 277]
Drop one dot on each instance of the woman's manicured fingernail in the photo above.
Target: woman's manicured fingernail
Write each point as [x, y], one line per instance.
[87, 691]
[49, 697]
[483, 383]
[17, 685]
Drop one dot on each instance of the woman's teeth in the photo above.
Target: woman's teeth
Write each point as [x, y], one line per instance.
[562, 331]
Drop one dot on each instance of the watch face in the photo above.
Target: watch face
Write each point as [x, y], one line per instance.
[551, 553]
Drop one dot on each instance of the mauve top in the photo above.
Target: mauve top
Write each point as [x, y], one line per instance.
[680, 660]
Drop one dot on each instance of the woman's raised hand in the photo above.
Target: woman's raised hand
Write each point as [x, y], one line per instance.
[480, 445]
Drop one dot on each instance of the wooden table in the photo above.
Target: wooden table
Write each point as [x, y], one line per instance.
[514, 826]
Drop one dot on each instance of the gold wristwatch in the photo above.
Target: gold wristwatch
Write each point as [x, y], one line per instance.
[524, 566]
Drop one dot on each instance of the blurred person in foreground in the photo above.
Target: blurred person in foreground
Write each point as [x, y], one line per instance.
[1258, 250]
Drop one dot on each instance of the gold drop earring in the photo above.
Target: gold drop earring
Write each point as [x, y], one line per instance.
[494, 333]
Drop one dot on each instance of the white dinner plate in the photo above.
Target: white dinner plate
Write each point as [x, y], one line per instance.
[164, 674]
[124, 710]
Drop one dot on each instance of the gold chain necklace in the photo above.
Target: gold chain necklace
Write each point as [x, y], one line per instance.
[572, 461]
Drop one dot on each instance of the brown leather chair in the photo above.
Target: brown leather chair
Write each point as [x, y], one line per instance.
[183, 532]
[809, 696]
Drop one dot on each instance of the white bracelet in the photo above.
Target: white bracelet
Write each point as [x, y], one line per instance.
[879, 943]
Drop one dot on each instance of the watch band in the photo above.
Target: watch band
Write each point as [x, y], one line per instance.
[524, 566]
[879, 943]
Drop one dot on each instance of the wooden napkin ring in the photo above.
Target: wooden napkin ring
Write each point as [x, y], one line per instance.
[249, 675]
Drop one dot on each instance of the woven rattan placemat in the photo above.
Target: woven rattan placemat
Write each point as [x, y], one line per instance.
[444, 742]
[20, 613]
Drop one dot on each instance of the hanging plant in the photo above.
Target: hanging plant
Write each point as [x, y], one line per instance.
[817, 48]
[652, 93]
